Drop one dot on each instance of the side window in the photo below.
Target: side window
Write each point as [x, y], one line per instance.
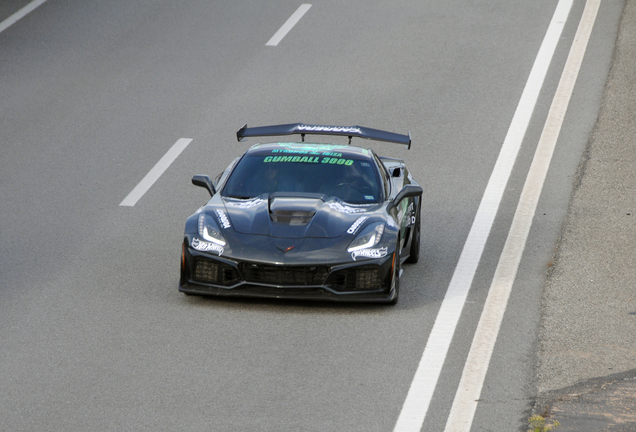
[384, 176]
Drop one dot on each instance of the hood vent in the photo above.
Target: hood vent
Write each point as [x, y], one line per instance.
[292, 217]
[293, 211]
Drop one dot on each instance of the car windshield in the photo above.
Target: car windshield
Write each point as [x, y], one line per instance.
[350, 177]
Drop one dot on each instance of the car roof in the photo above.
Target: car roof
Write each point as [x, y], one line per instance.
[344, 149]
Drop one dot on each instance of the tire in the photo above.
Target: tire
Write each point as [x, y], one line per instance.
[395, 280]
[414, 253]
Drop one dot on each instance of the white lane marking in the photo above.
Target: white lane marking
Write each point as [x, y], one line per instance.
[20, 14]
[289, 24]
[155, 172]
[463, 409]
[425, 380]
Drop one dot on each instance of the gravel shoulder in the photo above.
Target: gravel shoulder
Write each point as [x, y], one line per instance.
[587, 337]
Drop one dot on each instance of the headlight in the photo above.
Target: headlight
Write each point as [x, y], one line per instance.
[209, 231]
[369, 237]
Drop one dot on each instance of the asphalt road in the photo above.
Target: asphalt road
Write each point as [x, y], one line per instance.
[93, 333]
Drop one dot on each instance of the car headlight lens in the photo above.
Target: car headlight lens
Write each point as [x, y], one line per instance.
[209, 231]
[369, 237]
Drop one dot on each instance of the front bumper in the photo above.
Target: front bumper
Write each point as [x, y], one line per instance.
[361, 281]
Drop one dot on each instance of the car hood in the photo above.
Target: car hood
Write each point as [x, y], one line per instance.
[294, 217]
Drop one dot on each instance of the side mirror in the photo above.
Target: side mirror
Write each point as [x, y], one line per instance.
[204, 182]
[407, 191]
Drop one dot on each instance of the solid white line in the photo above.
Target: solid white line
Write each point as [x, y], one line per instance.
[425, 380]
[155, 172]
[471, 383]
[20, 14]
[289, 24]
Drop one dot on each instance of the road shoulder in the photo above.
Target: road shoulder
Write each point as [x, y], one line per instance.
[587, 336]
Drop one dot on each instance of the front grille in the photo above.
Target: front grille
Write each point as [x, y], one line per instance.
[284, 275]
[214, 272]
[362, 278]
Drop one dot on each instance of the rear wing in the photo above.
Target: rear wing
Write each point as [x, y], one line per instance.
[305, 129]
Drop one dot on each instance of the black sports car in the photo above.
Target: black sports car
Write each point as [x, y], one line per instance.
[305, 221]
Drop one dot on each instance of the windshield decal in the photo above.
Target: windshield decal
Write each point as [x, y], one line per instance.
[309, 159]
[337, 161]
[306, 159]
[297, 151]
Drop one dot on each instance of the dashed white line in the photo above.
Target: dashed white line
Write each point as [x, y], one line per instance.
[20, 14]
[420, 393]
[155, 172]
[289, 24]
[463, 409]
